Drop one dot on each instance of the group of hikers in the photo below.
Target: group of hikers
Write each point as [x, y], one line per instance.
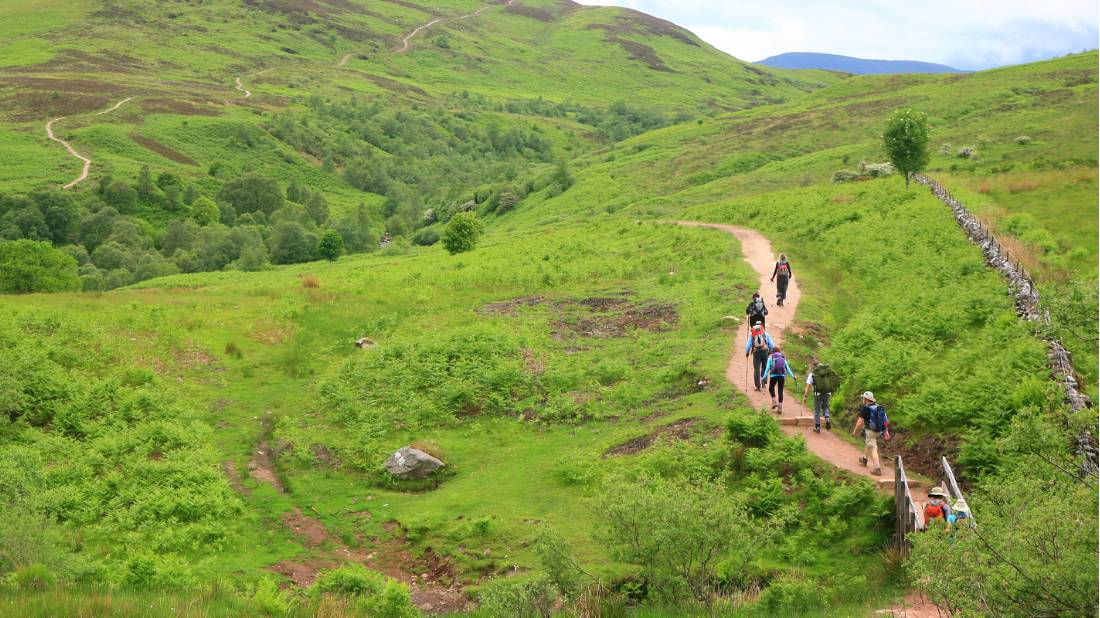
[770, 369]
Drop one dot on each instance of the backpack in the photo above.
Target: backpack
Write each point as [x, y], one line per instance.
[932, 511]
[779, 364]
[783, 269]
[757, 308]
[825, 379]
[878, 419]
[759, 340]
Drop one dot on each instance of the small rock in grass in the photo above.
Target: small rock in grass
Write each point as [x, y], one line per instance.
[412, 463]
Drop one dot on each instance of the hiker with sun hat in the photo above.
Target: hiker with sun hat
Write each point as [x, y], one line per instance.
[872, 420]
[936, 507]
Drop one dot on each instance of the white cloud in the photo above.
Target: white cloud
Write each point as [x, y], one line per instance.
[970, 34]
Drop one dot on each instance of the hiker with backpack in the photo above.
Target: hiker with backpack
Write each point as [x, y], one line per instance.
[936, 507]
[782, 275]
[760, 345]
[872, 420]
[756, 311]
[824, 381]
[777, 371]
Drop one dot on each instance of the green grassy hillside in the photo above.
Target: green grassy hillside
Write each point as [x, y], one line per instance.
[196, 432]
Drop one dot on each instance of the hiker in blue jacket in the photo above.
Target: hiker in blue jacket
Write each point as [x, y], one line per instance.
[777, 371]
[760, 345]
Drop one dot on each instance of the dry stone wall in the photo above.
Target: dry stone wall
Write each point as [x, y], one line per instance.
[1028, 306]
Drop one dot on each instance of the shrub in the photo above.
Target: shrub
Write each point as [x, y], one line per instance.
[311, 282]
[1022, 140]
[679, 531]
[426, 237]
[966, 152]
[268, 599]
[877, 170]
[506, 201]
[372, 592]
[33, 577]
[35, 266]
[462, 233]
[508, 599]
[841, 176]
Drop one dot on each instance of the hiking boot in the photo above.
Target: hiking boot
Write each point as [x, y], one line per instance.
[780, 408]
[863, 461]
[828, 424]
[877, 472]
[817, 429]
[774, 404]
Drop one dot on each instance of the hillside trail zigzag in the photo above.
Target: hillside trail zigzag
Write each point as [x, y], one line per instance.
[757, 251]
[87, 162]
[405, 41]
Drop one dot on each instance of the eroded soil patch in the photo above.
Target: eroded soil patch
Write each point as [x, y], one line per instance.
[678, 430]
[262, 466]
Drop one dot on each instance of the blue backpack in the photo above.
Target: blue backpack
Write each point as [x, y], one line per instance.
[877, 420]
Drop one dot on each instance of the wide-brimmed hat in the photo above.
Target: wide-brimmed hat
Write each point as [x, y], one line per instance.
[937, 492]
[961, 506]
[869, 396]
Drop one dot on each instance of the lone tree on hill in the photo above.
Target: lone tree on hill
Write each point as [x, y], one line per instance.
[331, 245]
[906, 140]
[461, 233]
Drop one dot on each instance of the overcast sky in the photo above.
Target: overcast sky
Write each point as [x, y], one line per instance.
[966, 34]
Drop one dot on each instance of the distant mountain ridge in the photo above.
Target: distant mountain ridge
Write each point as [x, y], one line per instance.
[849, 64]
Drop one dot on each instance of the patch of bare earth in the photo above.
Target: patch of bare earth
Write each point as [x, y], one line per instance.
[433, 584]
[309, 530]
[616, 317]
[679, 430]
[165, 151]
[509, 307]
[262, 466]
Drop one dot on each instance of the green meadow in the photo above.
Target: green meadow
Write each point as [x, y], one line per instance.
[189, 428]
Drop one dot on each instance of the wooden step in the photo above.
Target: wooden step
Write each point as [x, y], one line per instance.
[797, 421]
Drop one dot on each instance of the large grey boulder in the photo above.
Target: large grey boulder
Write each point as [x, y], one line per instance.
[412, 463]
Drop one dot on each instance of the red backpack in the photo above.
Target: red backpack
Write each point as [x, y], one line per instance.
[932, 511]
[783, 269]
[759, 339]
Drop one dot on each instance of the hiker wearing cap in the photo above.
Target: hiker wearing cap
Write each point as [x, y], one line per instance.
[782, 275]
[756, 311]
[872, 420]
[777, 371]
[760, 345]
[823, 380]
[936, 507]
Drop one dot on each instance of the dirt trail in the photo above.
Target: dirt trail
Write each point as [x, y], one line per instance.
[87, 162]
[344, 59]
[757, 251]
[409, 36]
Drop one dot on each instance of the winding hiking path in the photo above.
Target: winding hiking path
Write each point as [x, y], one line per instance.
[87, 162]
[409, 36]
[796, 419]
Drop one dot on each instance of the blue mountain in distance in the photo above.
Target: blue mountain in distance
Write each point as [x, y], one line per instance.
[848, 64]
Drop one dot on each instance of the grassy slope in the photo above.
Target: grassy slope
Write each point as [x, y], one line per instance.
[81, 58]
[294, 339]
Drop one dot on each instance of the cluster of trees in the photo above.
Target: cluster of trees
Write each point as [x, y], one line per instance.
[107, 235]
[420, 160]
[616, 122]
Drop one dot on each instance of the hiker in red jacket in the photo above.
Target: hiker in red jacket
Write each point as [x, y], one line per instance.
[784, 274]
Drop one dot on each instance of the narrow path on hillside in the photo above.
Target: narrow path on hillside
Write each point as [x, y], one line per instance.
[87, 162]
[409, 36]
[796, 419]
